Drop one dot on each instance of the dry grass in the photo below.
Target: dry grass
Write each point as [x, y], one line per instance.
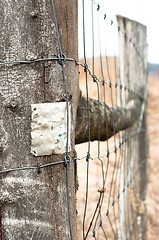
[95, 174]
[153, 167]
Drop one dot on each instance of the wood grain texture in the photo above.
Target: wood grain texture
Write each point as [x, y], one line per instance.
[104, 120]
[34, 206]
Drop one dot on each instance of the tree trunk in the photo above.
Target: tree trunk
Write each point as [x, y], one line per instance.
[108, 121]
[35, 204]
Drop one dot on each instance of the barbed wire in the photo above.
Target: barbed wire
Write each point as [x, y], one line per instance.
[106, 215]
[37, 167]
[62, 58]
[119, 29]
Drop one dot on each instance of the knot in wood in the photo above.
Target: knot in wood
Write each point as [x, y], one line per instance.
[34, 14]
[12, 104]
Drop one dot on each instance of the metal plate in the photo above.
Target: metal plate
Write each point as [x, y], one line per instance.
[49, 128]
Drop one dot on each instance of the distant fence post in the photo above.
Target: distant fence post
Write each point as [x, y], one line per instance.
[133, 74]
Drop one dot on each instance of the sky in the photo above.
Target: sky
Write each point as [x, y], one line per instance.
[143, 11]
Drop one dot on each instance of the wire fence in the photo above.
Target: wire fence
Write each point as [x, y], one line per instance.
[110, 198]
[109, 201]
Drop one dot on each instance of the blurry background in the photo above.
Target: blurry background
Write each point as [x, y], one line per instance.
[145, 12]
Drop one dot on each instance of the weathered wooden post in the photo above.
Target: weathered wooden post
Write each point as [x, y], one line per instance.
[37, 193]
[133, 74]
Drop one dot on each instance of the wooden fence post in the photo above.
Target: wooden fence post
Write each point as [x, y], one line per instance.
[36, 203]
[133, 74]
